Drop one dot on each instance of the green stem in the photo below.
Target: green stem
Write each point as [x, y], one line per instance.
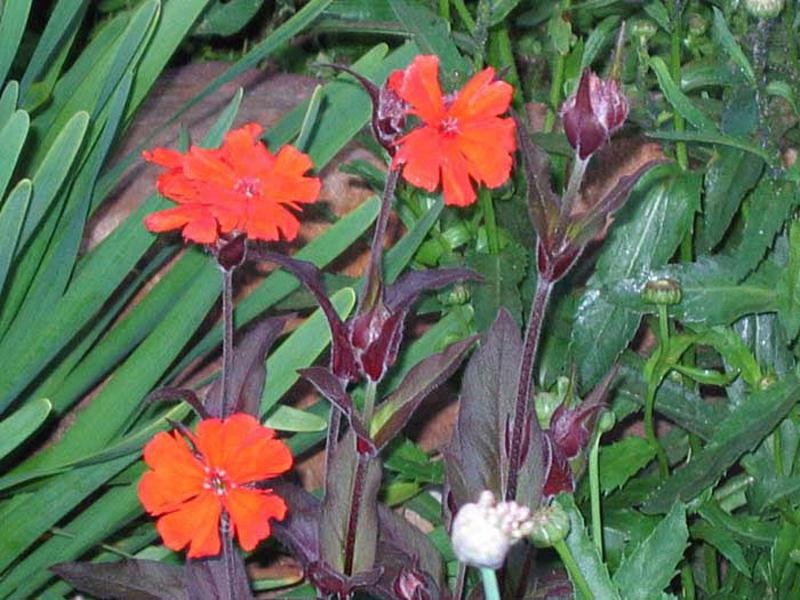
[650, 429]
[444, 9]
[491, 591]
[505, 58]
[594, 493]
[578, 580]
[663, 326]
[712, 575]
[463, 12]
[687, 582]
[557, 81]
[487, 206]
[369, 403]
[675, 68]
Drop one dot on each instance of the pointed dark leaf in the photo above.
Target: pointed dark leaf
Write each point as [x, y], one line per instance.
[219, 577]
[476, 458]
[401, 577]
[249, 369]
[543, 203]
[396, 411]
[169, 394]
[333, 389]
[559, 474]
[126, 579]
[341, 527]
[299, 531]
[343, 361]
[583, 229]
[397, 532]
[400, 295]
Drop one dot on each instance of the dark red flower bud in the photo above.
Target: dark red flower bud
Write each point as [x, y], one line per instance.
[596, 110]
[559, 477]
[375, 336]
[571, 428]
[231, 251]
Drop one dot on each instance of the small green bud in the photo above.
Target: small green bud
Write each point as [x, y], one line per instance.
[664, 291]
[457, 295]
[643, 30]
[606, 421]
[550, 525]
[764, 9]
[698, 25]
[766, 381]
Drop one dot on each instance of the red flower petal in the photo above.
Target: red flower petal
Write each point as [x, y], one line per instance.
[250, 512]
[456, 186]
[487, 148]
[164, 157]
[482, 97]
[196, 524]
[243, 150]
[176, 475]
[420, 154]
[420, 88]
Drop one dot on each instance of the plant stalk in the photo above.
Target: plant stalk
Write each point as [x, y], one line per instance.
[491, 591]
[675, 72]
[369, 403]
[356, 498]
[650, 429]
[487, 206]
[228, 403]
[594, 494]
[574, 571]
[374, 280]
[523, 406]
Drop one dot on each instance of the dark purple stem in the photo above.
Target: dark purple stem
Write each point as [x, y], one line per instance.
[374, 271]
[228, 403]
[355, 508]
[524, 407]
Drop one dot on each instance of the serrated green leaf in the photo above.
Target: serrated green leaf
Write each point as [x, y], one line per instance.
[622, 460]
[729, 176]
[502, 274]
[20, 425]
[789, 286]
[678, 99]
[585, 554]
[723, 541]
[723, 36]
[741, 431]
[645, 235]
[704, 137]
[650, 565]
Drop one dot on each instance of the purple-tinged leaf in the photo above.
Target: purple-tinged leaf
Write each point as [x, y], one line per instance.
[396, 411]
[402, 578]
[401, 295]
[219, 577]
[333, 389]
[584, 228]
[397, 532]
[170, 394]
[299, 531]
[343, 361]
[348, 527]
[249, 369]
[543, 203]
[476, 459]
[126, 580]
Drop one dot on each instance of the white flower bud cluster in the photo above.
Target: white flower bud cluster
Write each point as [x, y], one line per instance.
[764, 9]
[484, 531]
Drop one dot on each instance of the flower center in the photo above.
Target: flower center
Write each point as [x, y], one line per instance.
[249, 186]
[449, 126]
[217, 481]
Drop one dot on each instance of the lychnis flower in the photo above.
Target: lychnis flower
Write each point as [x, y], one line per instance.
[461, 136]
[239, 188]
[198, 479]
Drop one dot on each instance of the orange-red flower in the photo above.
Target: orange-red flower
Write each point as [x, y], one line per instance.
[461, 137]
[240, 187]
[192, 482]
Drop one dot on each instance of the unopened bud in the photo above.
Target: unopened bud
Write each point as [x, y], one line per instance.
[484, 531]
[643, 30]
[698, 25]
[764, 9]
[596, 110]
[550, 525]
[664, 291]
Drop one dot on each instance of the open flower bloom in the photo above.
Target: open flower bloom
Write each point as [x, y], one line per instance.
[239, 188]
[191, 483]
[461, 137]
